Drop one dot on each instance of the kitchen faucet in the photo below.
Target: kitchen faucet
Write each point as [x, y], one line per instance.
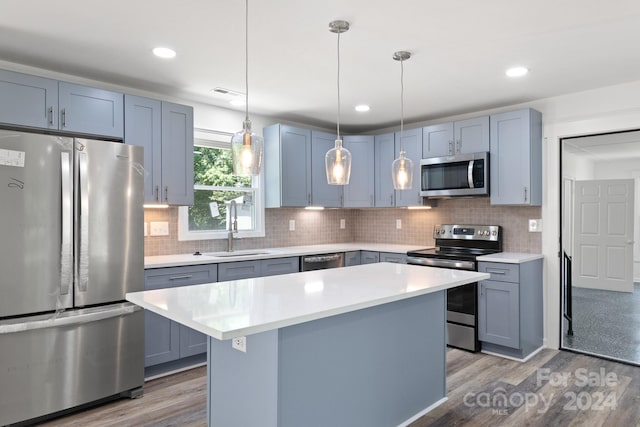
[233, 224]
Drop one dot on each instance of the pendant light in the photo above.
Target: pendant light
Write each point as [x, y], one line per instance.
[246, 146]
[338, 159]
[402, 167]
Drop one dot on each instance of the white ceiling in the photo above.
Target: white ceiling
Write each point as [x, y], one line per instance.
[460, 50]
[610, 146]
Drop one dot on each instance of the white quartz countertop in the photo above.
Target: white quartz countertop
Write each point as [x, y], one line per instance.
[510, 257]
[236, 308]
[266, 253]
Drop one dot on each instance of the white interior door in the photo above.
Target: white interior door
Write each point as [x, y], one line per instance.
[603, 234]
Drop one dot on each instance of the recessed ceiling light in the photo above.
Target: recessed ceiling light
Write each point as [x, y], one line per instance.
[517, 71]
[362, 108]
[238, 102]
[164, 52]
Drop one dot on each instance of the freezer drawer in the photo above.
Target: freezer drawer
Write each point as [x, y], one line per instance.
[81, 356]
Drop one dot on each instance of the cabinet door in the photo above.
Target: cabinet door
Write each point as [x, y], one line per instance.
[369, 257]
[359, 193]
[142, 127]
[516, 158]
[177, 154]
[323, 194]
[412, 141]
[499, 313]
[295, 149]
[351, 258]
[28, 100]
[192, 342]
[472, 135]
[437, 140]
[384, 156]
[275, 266]
[238, 270]
[393, 257]
[90, 110]
[161, 339]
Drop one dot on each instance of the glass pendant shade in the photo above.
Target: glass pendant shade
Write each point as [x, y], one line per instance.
[246, 151]
[338, 164]
[402, 172]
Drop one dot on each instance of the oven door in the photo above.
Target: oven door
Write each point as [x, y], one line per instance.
[461, 304]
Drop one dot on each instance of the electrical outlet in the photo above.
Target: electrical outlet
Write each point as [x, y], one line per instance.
[535, 225]
[398, 224]
[292, 225]
[239, 343]
[343, 224]
[159, 228]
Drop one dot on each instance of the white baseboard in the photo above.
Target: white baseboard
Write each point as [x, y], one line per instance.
[421, 413]
[533, 353]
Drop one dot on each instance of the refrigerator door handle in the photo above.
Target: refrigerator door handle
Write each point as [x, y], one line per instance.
[74, 319]
[66, 250]
[83, 258]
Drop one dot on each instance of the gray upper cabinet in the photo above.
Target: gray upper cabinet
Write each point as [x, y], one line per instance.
[90, 110]
[28, 100]
[384, 156]
[359, 193]
[462, 136]
[471, 135]
[39, 102]
[287, 166]
[323, 194]
[516, 158]
[437, 140]
[165, 130]
[412, 141]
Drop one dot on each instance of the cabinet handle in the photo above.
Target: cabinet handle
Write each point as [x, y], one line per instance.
[391, 201]
[458, 145]
[64, 117]
[490, 271]
[451, 147]
[309, 199]
[166, 193]
[525, 194]
[50, 115]
[342, 200]
[371, 200]
[186, 276]
[157, 193]
[481, 289]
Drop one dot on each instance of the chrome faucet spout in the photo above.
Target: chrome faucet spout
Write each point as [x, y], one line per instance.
[233, 224]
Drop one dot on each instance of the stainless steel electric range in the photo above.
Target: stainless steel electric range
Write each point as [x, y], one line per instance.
[457, 247]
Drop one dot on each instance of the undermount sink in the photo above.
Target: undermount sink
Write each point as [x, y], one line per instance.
[237, 254]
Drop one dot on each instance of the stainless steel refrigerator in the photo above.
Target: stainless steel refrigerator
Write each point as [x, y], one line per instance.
[71, 246]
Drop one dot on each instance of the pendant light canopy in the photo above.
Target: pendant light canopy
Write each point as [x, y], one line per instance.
[402, 167]
[246, 146]
[338, 159]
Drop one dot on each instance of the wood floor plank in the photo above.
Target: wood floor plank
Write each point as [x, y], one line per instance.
[180, 400]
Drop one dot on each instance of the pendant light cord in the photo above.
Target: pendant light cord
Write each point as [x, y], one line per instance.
[246, 60]
[401, 106]
[338, 80]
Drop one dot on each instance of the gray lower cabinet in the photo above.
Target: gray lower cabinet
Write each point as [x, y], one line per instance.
[393, 257]
[352, 258]
[369, 257]
[165, 340]
[38, 102]
[516, 158]
[510, 313]
[237, 270]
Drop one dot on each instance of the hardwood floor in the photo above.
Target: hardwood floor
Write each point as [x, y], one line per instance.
[483, 390]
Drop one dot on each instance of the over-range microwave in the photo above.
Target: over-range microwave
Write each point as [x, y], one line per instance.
[455, 176]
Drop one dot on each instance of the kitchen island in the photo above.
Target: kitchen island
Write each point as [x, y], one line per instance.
[356, 346]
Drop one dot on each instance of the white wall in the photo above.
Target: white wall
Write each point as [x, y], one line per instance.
[577, 167]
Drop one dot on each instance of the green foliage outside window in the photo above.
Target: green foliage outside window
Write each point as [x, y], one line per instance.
[213, 167]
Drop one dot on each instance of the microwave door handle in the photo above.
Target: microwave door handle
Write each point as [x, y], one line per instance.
[470, 173]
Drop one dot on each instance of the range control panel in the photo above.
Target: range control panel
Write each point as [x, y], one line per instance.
[467, 232]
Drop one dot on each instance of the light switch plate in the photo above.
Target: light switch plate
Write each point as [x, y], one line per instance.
[343, 224]
[159, 228]
[398, 224]
[292, 225]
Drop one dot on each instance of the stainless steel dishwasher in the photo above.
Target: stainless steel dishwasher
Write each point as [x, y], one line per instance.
[320, 262]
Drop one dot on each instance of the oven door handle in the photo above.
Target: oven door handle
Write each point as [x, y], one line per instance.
[445, 263]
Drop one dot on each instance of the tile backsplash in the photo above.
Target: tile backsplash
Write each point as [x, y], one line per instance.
[362, 225]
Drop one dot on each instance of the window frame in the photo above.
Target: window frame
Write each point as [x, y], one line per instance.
[220, 139]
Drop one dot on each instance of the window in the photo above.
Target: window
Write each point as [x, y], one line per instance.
[215, 187]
